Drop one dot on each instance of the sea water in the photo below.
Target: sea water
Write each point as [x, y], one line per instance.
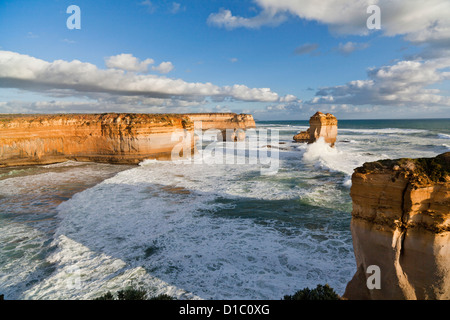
[196, 230]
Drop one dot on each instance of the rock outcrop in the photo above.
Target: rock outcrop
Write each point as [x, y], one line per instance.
[112, 138]
[230, 126]
[320, 125]
[302, 136]
[401, 223]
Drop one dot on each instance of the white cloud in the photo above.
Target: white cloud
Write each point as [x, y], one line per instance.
[82, 79]
[164, 67]
[151, 7]
[418, 20]
[224, 18]
[308, 48]
[128, 62]
[68, 41]
[349, 47]
[176, 7]
[405, 83]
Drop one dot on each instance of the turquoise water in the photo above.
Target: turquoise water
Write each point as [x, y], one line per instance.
[197, 230]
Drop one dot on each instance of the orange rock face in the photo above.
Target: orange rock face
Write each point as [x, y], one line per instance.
[112, 138]
[323, 125]
[229, 126]
[320, 125]
[401, 223]
[302, 136]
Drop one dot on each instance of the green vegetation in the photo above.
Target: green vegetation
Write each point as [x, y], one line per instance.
[319, 293]
[436, 169]
[133, 294]
[432, 169]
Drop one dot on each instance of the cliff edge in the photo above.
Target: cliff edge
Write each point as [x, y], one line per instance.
[111, 137]
[401, 224]
[122, 138]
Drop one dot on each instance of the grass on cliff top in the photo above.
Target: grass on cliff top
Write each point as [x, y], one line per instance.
[154, 117]
[434, 169]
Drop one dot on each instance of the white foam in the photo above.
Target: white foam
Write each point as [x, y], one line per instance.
[161, 225]
[171, 207]
[85, 274]
[322, 155]
[444, 136]
[383, 131]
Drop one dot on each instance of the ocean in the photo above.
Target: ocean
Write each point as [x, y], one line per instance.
[197, 229]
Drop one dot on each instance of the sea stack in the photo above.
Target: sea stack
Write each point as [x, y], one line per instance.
[320, 125]
[401, 224]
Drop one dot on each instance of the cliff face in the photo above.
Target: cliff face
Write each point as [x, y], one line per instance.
[112, 138]
[401, 223]
[323, 125]
[231, 126]
[223, 121]
[320, 125]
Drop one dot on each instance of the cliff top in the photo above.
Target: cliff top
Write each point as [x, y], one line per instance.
[419, 171]
[128, 118]
[322, 117]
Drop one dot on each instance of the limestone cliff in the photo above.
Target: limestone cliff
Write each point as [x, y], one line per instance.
[231, 126]
[112, 138]
[401, 223]
[320, 125]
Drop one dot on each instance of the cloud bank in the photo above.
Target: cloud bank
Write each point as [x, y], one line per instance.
[404, 83]
[418, 20]
[120, 83]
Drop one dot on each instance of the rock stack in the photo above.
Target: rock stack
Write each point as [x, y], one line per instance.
[401, 224]
[320, 125]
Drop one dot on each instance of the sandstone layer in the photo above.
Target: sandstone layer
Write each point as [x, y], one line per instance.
[320, 125]
[401, 223]
[112, 138]
[229, 126]
[303, 136]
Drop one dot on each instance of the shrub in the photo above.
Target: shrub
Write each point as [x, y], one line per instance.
[319, 293]
[133, 294]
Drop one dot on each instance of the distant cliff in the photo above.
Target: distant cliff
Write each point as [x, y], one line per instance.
[320, 125]
[112, 138]
[401, 223]
[232, 126]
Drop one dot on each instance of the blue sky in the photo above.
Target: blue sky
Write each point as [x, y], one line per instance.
[275, 59]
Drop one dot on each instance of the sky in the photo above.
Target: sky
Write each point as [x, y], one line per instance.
[275, 59]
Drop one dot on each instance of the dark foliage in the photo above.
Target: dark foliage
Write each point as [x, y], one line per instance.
[319, 293]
